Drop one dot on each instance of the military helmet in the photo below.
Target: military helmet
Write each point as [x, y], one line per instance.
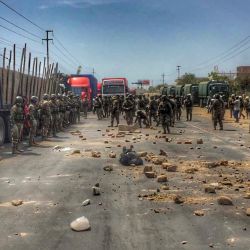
[45, 97]
[53, 97]
[34, 99]
[19, 99]
[217, 96]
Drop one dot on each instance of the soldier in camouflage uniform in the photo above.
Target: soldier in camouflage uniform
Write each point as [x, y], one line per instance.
[115, 111]
[54, 109]
[165, 113]
[217, 109]
[106, 107]
[67, 112]
[141, 116]
[128, 107]
[98, 107]
[189, 107]
[78, 108]
[62, 110]
[16, 119]
[33, 119]
[153, 107]
[85, 107]
[45, 115]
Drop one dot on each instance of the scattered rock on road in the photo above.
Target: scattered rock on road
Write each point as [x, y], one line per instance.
[199, 141]
[142, 154]
[76, 151]
[96, 190]
[224, 200]
[108, 168]
[162, 178]
[163, 152]
[178, 199]
[150, 174]
[86, 202]
[210, 189]
[248, 211]
[96, 154]
[169, 167]
[17, 203]
[112, 155]
[147, 168]
[199, 213]
[80, 224]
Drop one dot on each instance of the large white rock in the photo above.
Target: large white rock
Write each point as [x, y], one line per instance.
[80, 224]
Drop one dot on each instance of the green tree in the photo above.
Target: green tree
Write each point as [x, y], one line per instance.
[187, 78]
[216, 77]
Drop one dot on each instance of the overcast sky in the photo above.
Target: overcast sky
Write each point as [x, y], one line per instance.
[137, 39]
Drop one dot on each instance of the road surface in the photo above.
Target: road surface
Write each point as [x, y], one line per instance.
[130, 213]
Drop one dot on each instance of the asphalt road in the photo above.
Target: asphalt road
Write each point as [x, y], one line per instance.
[53, 185]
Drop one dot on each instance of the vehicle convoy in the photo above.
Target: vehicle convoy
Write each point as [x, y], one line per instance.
[114, 86]
[83, 86]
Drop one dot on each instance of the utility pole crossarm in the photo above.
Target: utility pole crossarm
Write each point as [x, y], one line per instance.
[47, 40]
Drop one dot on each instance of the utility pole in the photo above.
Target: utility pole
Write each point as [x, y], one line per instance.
[178, 70]
[47, 39]
[163, 78]
[93, 72]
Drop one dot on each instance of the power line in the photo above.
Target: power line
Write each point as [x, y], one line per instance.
[19, 33]
[20, 27]
[9, 7]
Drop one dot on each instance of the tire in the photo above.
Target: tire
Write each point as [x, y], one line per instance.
[2, 131]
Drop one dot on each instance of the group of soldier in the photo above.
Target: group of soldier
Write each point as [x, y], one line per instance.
[164, 110]
[236, 104]
[45, 117]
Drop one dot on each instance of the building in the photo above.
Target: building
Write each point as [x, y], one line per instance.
[243, 71]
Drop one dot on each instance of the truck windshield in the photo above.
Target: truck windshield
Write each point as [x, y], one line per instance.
[113, 89]
[78, 90]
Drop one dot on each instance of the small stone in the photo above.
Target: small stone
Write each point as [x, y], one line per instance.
[211, 164]
[96, 154]
[169, 167]
[80, 224]
[178, 199]
[191, 170]
[199, 213]
[247, 196]
[184, 242]
[76, 151]
[147, 168]
[107, 130]
[162, 178]
[199, 141]
[118, 145]
[165, 187]
[223, 163]
[142, 154]
[17, 203]
[86, 202]
[96, 190]
[108, 168]
[227, 183]
[156, 210]
[248, 211]
[187, 142]
[179, 142]
[106, 142]
[154, 142]
[210, 189]
[112, 155]
[158, 160]
[84, 139]
[150, 174]
[162, 152]
[224, 200]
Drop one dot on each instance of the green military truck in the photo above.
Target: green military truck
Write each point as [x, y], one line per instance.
[192, 89]
[209, 88]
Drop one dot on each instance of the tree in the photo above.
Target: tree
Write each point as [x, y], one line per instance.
[79, 70]
[216, 77]
[187, 78]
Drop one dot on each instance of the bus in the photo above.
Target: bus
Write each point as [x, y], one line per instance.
[114, 86]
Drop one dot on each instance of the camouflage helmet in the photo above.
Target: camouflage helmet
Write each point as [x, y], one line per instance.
[34, 99]
[53, 97]
[45, 97]
[19, 99]
[114, 97]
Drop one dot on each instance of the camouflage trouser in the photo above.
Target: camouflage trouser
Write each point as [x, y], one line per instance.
[189, 113]
[217, 117]
[54, 118]
[45, 125]
[99, 113]
[78, 114]
[152, 115]
[66, 117]
[85, 111]
[115, 115]
[33, 128]
[165, 121]
[16, 133]
[129, 117]
[60, 121]
[178, 114]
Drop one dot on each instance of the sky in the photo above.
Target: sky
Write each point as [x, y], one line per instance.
[137, 39]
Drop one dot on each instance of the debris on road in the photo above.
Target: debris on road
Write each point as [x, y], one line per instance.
[147, 168]
[199, 213]
[108, 168]
[86, 202]
[178, 199]
[96, 154]
[150, 174]
[210, 189]
[248, 211]
[80, 224]
[112, 155]
[224, 200]
[129, 157]
[162, 178]
[96, 190]
[17, 203]
[199, 141]
[169, 167]
[76, 151]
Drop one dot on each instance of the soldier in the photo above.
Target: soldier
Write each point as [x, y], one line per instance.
[33, 119]
[189, 107]
[67, 111]
[54, 109]
[78, 108]
[153, 107]
[128, 107]
[62, 109]
[16, 119]
[106, 107]
[236, 109]
[217, 109]
[142, 117]
[115, 111]
[231, 105]
[178, 108]
[141, 105]
[45, 115]
[98, 107]
[85, 107]
[165, 113]
[241, 107]
[247, 106]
